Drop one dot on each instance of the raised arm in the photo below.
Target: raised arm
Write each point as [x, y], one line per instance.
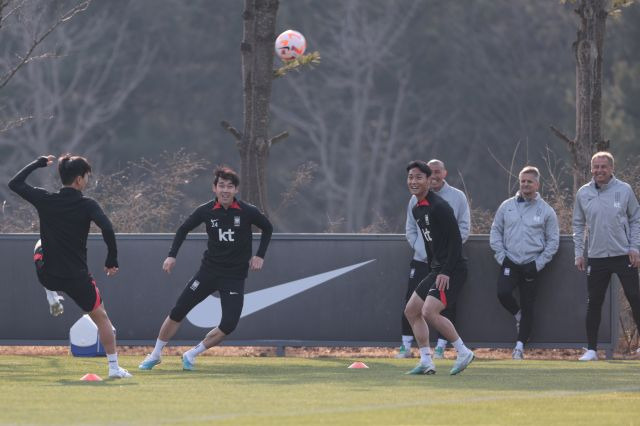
[19, 185]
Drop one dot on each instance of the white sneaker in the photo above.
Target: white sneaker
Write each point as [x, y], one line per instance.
[517, 354]
[120, 373]
[589, 355]
[55, 303]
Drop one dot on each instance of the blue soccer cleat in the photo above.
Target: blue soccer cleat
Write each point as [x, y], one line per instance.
[426, 369]
[187, 364]
[149, 363]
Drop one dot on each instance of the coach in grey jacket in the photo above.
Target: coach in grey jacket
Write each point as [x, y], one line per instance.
[608, 209]
[524, 237]
[419, 267]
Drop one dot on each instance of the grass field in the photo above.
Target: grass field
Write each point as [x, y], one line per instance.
[228, 390]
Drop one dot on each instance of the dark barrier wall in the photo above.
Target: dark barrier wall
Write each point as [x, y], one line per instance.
[314, 290]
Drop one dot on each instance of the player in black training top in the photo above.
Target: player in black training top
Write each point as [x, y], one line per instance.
[224, 264]
[65, 217]
[441, 235]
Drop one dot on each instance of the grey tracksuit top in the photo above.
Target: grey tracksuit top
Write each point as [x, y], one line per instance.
[525, 231]
[612, 216]
[458, 202]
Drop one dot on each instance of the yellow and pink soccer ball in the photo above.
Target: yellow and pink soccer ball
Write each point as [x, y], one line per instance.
[289, 45]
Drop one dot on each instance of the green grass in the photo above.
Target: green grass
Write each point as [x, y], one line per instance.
[47, 389]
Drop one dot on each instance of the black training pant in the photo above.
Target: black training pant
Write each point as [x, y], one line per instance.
[512, 276]
[599, 272]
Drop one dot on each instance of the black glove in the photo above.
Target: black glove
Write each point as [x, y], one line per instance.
[530, 271]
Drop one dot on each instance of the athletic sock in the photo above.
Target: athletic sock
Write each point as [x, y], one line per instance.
[157, 351]
[425, 355]
[407, 341]
[460, 347]
[195, 351]
[519, 345]
[441, 343]
[113, 361]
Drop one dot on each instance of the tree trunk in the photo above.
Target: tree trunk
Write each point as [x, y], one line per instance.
[257, 74]
[588, 51]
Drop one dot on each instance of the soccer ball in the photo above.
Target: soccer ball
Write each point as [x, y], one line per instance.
[289, 45]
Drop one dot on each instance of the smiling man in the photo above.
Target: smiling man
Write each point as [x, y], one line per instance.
[224, 266]
[419, 267]
[608, 209]
[524, 236]
[448, 271]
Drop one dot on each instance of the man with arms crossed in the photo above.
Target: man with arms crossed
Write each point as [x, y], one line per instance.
[224, 266]
[608, 209]
[65, 218]
[524, 236]
[419, 264]
[448, 271]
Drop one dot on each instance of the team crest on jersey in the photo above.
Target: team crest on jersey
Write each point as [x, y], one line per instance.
[426, 219]
[214, 223]
[236, 221]
[194, 285]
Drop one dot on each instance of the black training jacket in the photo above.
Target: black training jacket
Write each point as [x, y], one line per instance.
[65, 218]
[229, 230]
[440, 232]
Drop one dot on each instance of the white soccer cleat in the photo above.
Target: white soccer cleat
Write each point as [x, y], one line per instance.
[517, 354]
[120, 373]
[55, 303]
[589, 355]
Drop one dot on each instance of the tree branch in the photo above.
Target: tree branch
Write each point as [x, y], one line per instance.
[229, 128]
[562, 136]
[277, 138]
[81, 7]
[297, 63]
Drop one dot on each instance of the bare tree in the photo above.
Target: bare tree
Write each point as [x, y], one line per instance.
[257, 74]
[63, 103]
[363, 118]
[588, 51]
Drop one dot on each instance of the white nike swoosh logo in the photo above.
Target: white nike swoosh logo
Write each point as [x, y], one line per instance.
[208, 313]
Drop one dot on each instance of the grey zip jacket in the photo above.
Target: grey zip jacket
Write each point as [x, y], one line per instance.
[611, 216]
[458, 202]
[525, 231]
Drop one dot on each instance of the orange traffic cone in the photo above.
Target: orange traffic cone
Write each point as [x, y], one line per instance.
[90, 377]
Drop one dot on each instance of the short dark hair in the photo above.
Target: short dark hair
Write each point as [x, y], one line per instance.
[72, 166]
[227, 173]
[423, 166]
